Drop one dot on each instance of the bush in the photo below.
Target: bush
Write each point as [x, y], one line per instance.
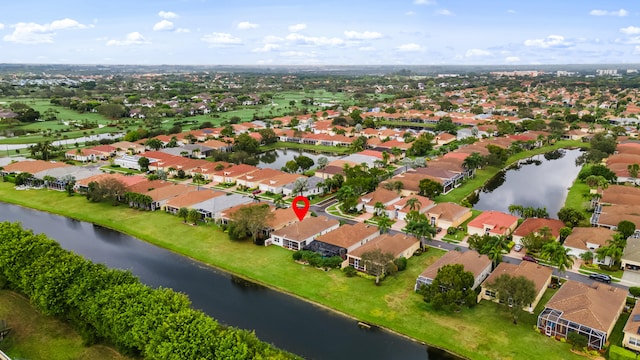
[452, 230]
[350, 271]
[331, 262]
[297, 256]
[635, 291]
[401, 263]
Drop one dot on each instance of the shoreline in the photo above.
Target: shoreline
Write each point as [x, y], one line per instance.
[251, 280]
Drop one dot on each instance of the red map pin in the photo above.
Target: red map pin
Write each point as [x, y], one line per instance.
[301, 212]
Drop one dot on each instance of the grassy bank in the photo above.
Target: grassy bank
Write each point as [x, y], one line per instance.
[485, 332]
[34, 336]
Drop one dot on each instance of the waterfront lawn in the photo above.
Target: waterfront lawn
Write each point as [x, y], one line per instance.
[484, 332]
[315, 148]
[35, 336]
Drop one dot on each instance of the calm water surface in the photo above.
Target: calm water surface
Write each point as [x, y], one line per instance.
[276, 159]
[541, 181]
[289, 323]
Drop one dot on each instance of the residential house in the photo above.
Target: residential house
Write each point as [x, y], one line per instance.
[631, 255]
[400, 209]
[343, 240]
[31, 166]
[218, 145]
[128, 148]
[381, 195]
[590, 310]
[631, 330]
[446, 176]
[446, 215]
[399, 245]
[583, 239]
[478, 265]
[82, 185]
[252, 180]
[540, 276]
[189, 199]
[299, 234]
[535, 225]
[494, 223]
[231, 174]
[313, 187]
[611, 216]
[84, 155]
[277, 183]
[162, 195]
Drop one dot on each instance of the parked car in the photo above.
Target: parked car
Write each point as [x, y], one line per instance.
[601, 277]
[518, 247]
[530, 258]
[256, 192]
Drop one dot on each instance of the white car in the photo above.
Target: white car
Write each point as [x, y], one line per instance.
[518, 247]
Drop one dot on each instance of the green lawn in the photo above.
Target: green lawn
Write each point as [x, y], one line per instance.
[314, 148]
[35, 336]
[484, 332]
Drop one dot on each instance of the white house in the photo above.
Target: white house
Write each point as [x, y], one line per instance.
[585, 239]
[299, 234]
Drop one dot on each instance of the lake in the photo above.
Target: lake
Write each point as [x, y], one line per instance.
[540, 181]
[276, 159]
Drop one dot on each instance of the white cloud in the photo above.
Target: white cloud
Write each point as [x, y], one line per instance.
[637, 50]
[221, 39]
[410, 13]
[297, 27]
[33, 33]
[511, 11]
[630, 30]
[511, 59]
[444, 12]
[245, 25]
[267, 47]
[549, 41]
[297, 54]
[167, 15]
[365, 35]
[314, 40]
[621, 12]
[477, 52]
[182, 30]
[134, 38]
[367, 48]
[410, 47]
[424, 2]
[1, 26]
[163, 25]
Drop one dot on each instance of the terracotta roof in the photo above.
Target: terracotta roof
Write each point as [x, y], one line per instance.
[167, 192]
[612, 215]
[261, 174]
[306, 228]
[448, 211]
[425, 203]
[470, 259]
[594, 306]
[621, 195]
[498, 221]
[394, 244]
[282, 218]
[633, 326]
[347, 235]
[236, 170]
[193, 197]
[380, 195]
[33, 167]
[595, 235]
[533, 225]
[147, 185]
[537, 273]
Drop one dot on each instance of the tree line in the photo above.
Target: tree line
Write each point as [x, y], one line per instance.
[114, 307]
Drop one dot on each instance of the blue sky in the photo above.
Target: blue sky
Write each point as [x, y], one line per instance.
[328, 32]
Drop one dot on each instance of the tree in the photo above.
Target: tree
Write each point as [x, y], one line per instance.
[250, 221]
[144, 163]
[109, 189]
[112, 111]
[430, 188]
[413, 204]
[304, 162]
[278, 201]
[558, 255]
[291, 166]
[377, 263]
[193, 216]
[378, 208]
[633, 170]
[577, 340]
[587, 256]
[384, 223]
[419, 226]
[268, 136]
[570, 216]
[451, 289]
[300, 186]
[154, 144]
[359, 144]
[422, 145]
[347, 196]
[517, 291]
[626, 228]
[473, 161]
[322, 162]
[246, 143]
[498, 247]
[183, 212]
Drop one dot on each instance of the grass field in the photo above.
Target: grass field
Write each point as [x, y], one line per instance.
[34, 336]
[484, 332]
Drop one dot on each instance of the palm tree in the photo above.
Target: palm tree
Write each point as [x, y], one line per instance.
[183, 212]
[413, 204]
[633, 170]
[378, 208]
[557, 254]
[278, 201]
[498, 247]
[300, 186]
[384, 224]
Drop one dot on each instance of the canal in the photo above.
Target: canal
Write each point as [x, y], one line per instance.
[285, 321]
[540, 181]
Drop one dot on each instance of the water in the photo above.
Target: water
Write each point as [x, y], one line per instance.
[289, 323]
[276, 159]
[541, 181]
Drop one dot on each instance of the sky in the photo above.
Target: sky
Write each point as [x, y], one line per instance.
[313, 32]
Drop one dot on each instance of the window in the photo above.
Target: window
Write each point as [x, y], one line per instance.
[634, 341]
[490, 293]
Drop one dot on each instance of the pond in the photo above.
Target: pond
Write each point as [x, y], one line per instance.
[290, 323]
[540, 181]
[276, 159]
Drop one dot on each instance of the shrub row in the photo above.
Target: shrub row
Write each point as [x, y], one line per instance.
[113, 306]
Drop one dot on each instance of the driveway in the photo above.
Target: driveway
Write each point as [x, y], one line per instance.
[631, 277]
